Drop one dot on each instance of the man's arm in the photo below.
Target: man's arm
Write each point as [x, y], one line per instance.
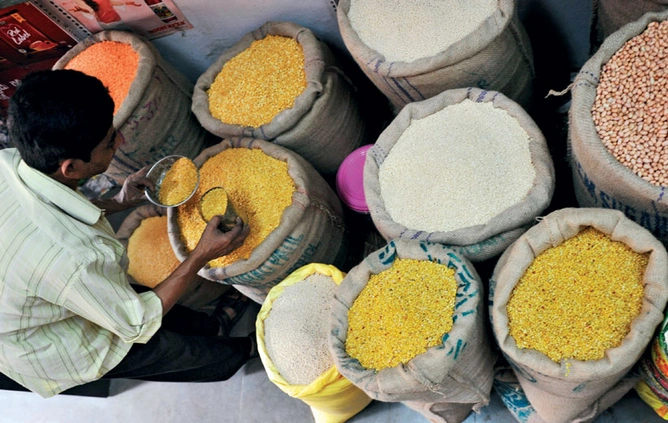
[130, 195]
[213, 244]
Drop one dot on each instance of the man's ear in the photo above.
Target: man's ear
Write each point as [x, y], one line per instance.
[71, 168]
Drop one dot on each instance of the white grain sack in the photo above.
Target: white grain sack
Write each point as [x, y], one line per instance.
[451, 178]
[297, 329]
[479, 153]
[395, 28]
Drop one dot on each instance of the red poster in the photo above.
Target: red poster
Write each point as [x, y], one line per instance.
[148, 18]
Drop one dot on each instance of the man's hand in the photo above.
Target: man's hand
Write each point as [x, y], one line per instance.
[132, 192]
[215, 243]
[130, 195]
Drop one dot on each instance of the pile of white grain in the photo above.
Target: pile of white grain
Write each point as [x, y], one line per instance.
[408, 30]
[297, 327]
[456, 168]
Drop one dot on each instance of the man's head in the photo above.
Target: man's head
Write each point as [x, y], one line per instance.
[61, 115]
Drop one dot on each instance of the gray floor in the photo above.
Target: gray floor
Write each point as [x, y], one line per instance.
[248, 397]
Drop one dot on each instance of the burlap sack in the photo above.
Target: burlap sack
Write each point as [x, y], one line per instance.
[448, 381]
[323, 126]
[599, 179]
[573, 390]
[476, 243]
[202, 295]
[611, 15]
[155, 117]
[497, 56]
[311, 228]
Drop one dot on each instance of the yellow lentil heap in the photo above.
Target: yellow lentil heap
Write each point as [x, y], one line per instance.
[149, 252]
[402, 312]
[179, 182]
[258, 83]
[579, 298]
[213, 202]
[258, 184]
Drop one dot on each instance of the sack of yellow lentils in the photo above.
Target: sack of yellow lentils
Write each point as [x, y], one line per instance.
[574, 303]
[413, 51]
[152, 99]
[280, 83]
[151, 259]
[613, 14]
[292, 330]
[617, 137]
[295, 217]
[408, 326]
[652, 387]
[467, 168]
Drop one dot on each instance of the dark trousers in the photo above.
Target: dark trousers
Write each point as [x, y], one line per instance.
[184, 349]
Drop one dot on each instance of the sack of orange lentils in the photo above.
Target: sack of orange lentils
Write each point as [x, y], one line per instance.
[295, 218]
[574, 303]
[408, 326]
[280, 83]
[152, 99]
[150, 258]
[617, 134]
[292, 331]
[653, 386]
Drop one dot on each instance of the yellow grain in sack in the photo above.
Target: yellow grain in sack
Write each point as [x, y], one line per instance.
[332, 397]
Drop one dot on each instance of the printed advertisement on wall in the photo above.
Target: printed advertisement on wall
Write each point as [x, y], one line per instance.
[148, 18]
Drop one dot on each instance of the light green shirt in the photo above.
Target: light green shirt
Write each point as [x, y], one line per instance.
[67, 312]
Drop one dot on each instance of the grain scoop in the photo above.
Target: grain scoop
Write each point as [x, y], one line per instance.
[216, 202]
[175, 179]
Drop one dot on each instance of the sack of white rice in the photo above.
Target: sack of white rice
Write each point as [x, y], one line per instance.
[292, 331]
[468, 168]
[415, 50]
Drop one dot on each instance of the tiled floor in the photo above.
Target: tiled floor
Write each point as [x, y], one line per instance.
[248, 397]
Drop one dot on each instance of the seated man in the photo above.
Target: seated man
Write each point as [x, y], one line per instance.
[67, 312]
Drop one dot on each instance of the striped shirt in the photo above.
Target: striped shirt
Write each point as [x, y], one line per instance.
[67, 312]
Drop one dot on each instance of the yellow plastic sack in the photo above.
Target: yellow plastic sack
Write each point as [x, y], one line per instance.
[332, 397]
[649, 397]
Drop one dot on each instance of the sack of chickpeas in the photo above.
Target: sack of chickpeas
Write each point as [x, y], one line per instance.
[613, 14]
[152, 99]
[414, 51]
[617, 134]
[408, 326]
[292, 331]
[151, 259]
[295, 218]
[280, 83]
[574, 303]
[467, 168]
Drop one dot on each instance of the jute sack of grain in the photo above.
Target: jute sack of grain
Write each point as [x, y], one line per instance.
[599, 179]
[155, 118]
[203, 295]
[611, 15]
[496, 56]
[332, 397]
[311, 228]
[576, 390]
[479, 242]
[447, 381]
[324, 125]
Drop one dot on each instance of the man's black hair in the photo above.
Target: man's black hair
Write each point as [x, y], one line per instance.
[56, 115]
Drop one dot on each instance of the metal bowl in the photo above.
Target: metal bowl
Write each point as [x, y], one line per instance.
[156, 174]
